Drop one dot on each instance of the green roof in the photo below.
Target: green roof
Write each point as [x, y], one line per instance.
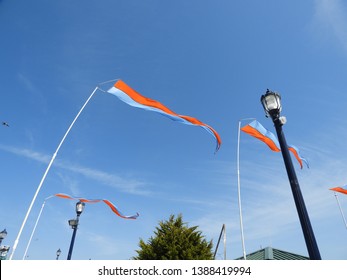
[270, 253]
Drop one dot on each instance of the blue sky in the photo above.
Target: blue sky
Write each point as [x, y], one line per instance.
[208, 59]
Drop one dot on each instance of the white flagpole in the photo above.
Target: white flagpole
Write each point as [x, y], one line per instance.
[33, 231]
[338, 203]
[239, 187]
[45, 174]
[225, 243]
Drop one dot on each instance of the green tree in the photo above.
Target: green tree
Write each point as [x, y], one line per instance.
[174, 240]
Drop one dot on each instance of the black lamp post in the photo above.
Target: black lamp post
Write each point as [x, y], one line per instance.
[74, 223]
[3, 234]
[3, 249]
[271, 102]
[58, 253]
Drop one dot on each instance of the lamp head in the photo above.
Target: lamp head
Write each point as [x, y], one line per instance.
[79, 207]
[271, 102]
[58, 252]
[3, 234]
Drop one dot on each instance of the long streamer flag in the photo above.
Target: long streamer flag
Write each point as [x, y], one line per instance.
[107, 202]
[339, 189]
[133, 98]
[256, 130]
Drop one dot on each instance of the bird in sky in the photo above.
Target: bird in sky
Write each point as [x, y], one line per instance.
[5, 124]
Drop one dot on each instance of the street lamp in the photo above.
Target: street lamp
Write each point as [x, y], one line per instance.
[74, 223]
[3, 234]
[3, 249]
[3, 252]
[58, 253]
[271, 102]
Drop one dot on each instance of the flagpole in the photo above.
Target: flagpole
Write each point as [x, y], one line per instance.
[225, 243]
[239, 192]
[33, 231]
[239, 187]
[338, 203]
[45, 174]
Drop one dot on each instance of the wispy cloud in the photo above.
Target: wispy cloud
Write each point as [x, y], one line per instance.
[269, 212]
[133, 186]
[331, 19]
[26, 153]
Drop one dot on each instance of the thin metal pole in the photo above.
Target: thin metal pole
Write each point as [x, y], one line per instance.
[239, 192]
[239, 186]
[310, 239]
[225, 243]
[45, 174]
[219, 238]
[338, 203]
[33, 231]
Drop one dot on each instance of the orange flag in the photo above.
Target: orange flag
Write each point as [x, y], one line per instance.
[339, 189]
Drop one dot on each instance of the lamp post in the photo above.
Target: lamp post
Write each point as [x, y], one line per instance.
[3, 249]
[3, 234]
[74, 223]
[58, 253]
[271, 102]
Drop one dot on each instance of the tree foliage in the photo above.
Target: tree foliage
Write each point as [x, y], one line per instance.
[174, 240]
